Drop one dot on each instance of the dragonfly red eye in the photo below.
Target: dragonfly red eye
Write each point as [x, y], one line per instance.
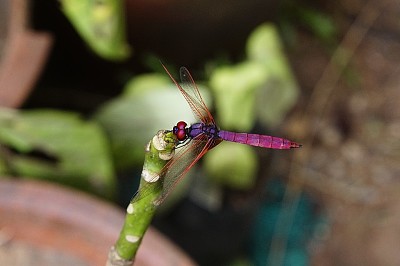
[181, 134]
[181, 125]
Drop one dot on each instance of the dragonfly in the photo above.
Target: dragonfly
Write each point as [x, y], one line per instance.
[197, 139]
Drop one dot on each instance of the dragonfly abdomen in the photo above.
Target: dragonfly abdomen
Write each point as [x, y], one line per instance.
[258, 140]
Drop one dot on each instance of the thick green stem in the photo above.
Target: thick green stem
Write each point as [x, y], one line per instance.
[142, 207]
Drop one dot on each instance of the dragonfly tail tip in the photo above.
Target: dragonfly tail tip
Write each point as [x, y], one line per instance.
[295, 145]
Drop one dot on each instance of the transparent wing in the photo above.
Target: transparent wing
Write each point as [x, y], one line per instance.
[184, 158]
[183, 161]
[189, 90]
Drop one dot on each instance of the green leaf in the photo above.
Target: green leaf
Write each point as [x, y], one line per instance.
[262, 87]
[101, 24]
[144, 83]
[234, 88]
[10, 134]
[264, 45]
[320, 24]
[59, 146]
[237, 170]
[279, 93]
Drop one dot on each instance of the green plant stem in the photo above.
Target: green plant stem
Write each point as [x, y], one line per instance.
[142, 207]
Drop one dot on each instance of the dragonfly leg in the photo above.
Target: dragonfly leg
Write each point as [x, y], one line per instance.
[182, 143]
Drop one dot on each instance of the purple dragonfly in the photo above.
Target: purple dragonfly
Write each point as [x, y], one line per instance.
[197, 139]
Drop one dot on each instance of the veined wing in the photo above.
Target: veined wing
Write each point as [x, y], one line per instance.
[191, 93]
[183, 161]
[185, 157]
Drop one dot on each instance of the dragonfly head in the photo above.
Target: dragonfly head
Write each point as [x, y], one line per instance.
[180, 131]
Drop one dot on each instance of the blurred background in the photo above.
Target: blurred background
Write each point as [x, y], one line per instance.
[82, 91]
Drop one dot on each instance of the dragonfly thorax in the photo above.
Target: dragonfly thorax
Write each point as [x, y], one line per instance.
[209, 130]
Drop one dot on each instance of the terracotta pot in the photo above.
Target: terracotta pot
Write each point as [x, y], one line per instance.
[45, 224]
[23, 53]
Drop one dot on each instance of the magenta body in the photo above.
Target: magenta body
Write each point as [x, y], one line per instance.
[257, 140]
[263, 141]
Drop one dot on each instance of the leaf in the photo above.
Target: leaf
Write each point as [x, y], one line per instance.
[263, 45]
[238, 170]
[60, 147]
[279, 94]
[9, 133]
[140, 84]
[320, 24]
[234, 88]
[261, 87]
[101, 24]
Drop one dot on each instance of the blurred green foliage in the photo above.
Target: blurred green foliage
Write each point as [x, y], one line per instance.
[101, 24]
[262, 88]
[279, 93]
[228, 170]
[295, 14]
[234, 91]
[57, 146]
[320, 24]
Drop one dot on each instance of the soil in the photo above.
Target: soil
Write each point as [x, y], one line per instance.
[353, 125]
